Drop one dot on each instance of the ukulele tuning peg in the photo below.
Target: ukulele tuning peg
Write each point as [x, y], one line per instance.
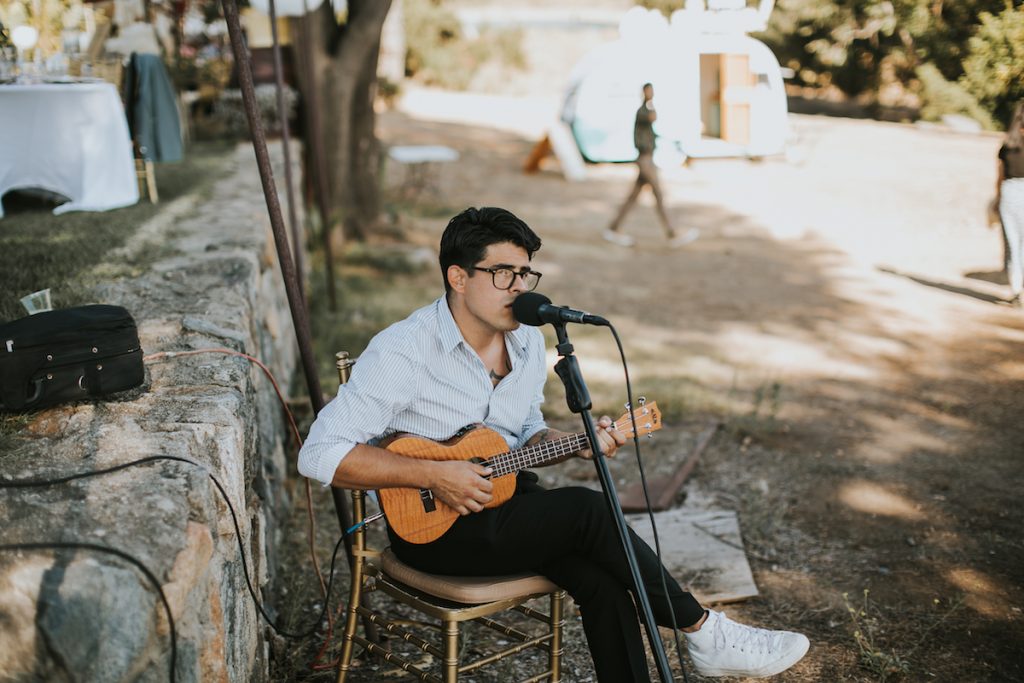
[626, 405]
[642, 401]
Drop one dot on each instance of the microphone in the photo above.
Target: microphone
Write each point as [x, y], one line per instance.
[531, 308]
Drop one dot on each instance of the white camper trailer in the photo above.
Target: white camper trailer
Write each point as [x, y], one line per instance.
[719, 92]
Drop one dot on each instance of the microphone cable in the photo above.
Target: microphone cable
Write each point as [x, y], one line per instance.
[647, 501]
[311, 519]
[311, 533]
[69, 545]
[41, 483]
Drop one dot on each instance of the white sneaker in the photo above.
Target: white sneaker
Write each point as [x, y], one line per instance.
[723, 647]
[683, 238]
[618, 238]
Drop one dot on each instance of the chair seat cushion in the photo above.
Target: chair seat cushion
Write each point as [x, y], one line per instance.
[469, 590]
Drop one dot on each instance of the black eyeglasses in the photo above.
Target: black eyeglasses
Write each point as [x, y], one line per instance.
[503, 278]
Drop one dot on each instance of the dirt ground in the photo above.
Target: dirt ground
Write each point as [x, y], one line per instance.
[843, 313]
[843, 316]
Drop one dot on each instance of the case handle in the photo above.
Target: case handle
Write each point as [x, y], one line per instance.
[38, 384]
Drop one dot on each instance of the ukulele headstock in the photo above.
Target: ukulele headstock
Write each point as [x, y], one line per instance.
[648, 419]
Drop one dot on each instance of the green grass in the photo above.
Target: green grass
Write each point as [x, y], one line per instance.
[376, 286]
[40, 250]
[889, 663]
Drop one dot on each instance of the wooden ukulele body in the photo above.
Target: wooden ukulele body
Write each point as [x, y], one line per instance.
[415, 514]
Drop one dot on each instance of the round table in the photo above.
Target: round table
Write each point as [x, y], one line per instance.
[69, 138]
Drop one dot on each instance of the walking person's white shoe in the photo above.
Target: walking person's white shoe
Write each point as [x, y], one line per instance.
[618, 238]
[683, 238]
[723, 647]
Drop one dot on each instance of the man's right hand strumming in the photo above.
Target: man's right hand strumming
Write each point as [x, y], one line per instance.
[462, 485]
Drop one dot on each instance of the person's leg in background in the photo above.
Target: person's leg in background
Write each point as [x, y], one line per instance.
[649, 174]
[612, 234]
[1011, 211]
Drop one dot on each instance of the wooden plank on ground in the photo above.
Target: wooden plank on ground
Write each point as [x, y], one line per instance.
[703, 549]
[663, 492]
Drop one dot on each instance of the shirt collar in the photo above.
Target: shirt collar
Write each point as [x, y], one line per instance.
[451, 336]
[448, 331]
[519, 340]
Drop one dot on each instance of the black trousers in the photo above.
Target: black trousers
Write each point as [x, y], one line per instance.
[567, 535]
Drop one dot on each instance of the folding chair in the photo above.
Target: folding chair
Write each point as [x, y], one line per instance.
[451, 600]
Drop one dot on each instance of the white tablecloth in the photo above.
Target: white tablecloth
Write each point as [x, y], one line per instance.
[67, 138]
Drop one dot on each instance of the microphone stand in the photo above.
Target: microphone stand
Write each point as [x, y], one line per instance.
[578, 397]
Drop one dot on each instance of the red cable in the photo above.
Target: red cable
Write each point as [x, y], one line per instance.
[161, 355]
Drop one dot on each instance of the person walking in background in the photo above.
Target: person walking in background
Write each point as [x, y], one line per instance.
[1010, 200]
[645, 140]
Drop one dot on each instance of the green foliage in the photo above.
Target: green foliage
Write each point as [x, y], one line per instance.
[760, 419]
[889, 664]
[994, 67]
[439, 53]
[863, 47]
[184, 72]
[377, 285]
[839, 44]
[666, 7]
[940, 97]
[881, 663]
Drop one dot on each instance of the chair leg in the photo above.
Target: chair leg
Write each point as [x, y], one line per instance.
[351, 619]
[151, 182]
[451, 651]
[557, 622]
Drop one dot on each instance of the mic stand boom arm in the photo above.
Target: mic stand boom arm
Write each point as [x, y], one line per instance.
[578, 397]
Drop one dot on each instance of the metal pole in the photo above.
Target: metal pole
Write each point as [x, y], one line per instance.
[578, 397]
[298, 243]
[300, 316]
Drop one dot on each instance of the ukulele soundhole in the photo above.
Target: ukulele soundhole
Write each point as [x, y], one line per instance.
[427, 498]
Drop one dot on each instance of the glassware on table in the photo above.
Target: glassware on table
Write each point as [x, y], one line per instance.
[24, 38]
[37, 302]
[57, 65]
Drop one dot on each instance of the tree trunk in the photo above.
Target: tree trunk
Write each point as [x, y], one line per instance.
[338, 76]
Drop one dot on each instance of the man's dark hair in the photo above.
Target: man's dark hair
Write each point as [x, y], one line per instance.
[470, 233]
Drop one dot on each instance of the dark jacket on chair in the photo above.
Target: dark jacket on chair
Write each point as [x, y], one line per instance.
[152, 109]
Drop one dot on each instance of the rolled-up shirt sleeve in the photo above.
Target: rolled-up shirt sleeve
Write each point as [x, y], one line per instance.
[384, 381]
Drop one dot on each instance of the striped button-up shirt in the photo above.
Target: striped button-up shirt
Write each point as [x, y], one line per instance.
[420, 376]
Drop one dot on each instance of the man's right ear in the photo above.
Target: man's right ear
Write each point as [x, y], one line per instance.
[457, 278]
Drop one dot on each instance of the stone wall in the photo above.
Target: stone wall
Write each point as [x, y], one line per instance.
[87, 615]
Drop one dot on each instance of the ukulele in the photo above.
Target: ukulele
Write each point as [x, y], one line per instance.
[418, 517]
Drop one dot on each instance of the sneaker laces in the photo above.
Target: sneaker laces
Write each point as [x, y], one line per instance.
[728, 632]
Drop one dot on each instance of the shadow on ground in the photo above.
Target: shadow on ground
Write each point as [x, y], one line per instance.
[872, 439]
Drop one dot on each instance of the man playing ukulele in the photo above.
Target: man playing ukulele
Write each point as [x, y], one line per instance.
[464, 360]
